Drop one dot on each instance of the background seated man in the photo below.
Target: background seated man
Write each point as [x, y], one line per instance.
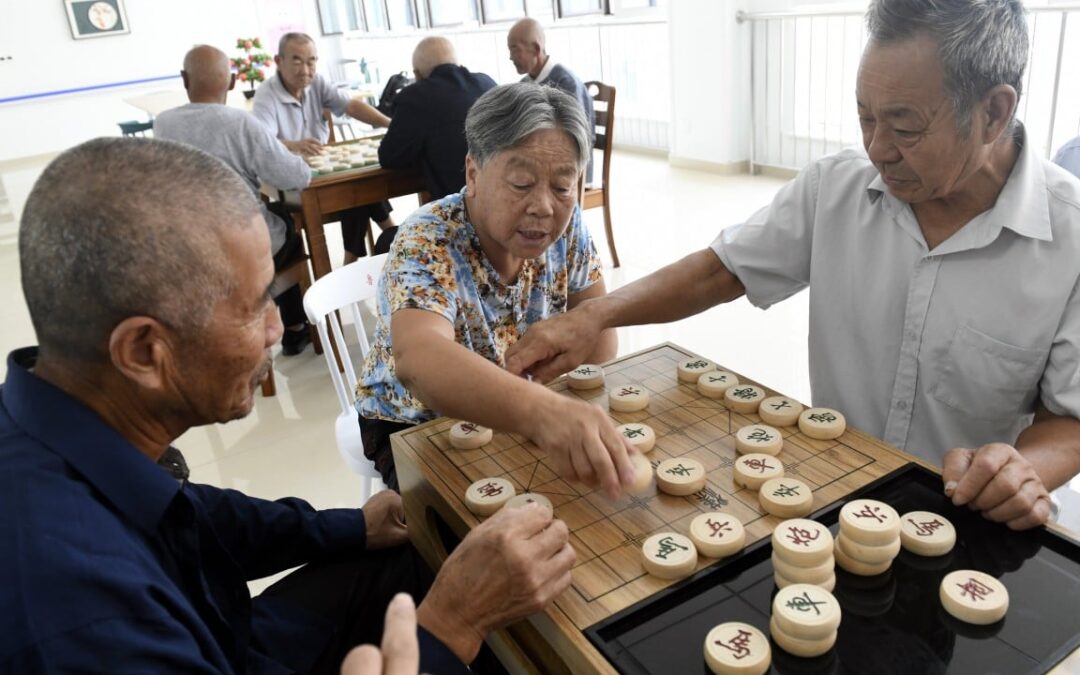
[528, 52]
[942, 264]
[291, 106]
[428, 128]
[237, 139]
[146, 267]
[469, 273]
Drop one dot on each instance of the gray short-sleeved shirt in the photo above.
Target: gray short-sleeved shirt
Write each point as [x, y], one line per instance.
[929, 350]
[238, 139]
[293, 120]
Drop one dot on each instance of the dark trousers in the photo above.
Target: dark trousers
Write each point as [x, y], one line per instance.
[376, 437]
[291, 301]
[355, 223]
[310, 619]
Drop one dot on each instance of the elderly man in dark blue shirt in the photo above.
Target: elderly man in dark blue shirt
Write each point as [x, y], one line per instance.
[146, 269]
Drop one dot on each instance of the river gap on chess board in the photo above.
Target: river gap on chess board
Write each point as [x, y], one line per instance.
[740, 589]
[686, 423]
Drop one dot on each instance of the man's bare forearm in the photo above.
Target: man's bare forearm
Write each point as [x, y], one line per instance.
[1052, 445]
[684, 288]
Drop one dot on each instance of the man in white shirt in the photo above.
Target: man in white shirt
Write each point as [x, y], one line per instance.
[291, 105]
[943, 266]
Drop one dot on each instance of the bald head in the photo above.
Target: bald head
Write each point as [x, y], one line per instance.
[528, 30]
[124, 227]
[431, 53]
[526, 44]
[207, 75]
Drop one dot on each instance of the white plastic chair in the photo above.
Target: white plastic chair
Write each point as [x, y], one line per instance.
[344, 289]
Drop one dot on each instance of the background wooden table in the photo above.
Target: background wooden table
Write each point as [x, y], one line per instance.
[344, 190]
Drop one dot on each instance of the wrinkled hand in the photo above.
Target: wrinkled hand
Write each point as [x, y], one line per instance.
[384, 516]
[556, 345]
[998, 481]
[583, 445]
[509, 567]
[400, 654]
[307, 147]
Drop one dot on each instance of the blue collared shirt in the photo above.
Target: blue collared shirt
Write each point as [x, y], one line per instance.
[112, 565]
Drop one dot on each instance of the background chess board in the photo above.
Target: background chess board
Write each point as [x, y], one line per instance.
[345, 150]
[606, 534]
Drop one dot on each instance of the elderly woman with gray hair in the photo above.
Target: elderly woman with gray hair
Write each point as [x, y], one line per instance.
[468, 274]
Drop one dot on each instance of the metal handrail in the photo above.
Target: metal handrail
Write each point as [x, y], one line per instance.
[742, 16]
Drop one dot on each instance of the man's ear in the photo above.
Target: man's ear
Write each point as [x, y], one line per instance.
[232, 81]
[277, 61]
[471, 169]
[997, 108]
[142, 349]
[184, 77]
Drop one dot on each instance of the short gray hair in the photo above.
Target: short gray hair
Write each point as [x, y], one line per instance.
[289, 37]
[981, 43]
[504, 116]
[122, 227]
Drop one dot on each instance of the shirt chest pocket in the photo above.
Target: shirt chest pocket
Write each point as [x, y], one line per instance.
[986, 378]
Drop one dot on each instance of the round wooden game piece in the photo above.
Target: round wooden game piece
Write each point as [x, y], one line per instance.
[487, 495]
[871, 555]
[641, 436]
[715, 383]
[870, 522]
[828, 583]
[858, 567]
[736, 648]
[643, 474]
[744, 398]
[927, 534]
[691, 369]
[759, 438]
[680, 476]
[668, 555]
[780, 411]
[469, 435]
[751, 471]
[974, 597]
[628, 398]
[802, 542]
[524, 498]
[585, 376]
[786, 497]
[811, 574]
[806, 612]
[717, 534]
[797, 647]
[824, 424]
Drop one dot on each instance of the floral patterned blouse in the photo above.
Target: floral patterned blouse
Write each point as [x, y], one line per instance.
[436, 264]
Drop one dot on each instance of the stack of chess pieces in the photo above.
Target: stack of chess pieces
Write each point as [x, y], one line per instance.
[805, 614]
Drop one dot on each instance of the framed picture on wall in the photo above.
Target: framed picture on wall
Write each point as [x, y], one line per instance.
[96, 18]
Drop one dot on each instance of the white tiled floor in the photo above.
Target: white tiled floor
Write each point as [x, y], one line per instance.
[286, 446]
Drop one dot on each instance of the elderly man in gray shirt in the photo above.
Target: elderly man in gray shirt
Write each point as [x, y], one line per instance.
[943, 264]
[291, 105]
[239, 140]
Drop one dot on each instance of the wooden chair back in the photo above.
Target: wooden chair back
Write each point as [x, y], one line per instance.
[603, 96]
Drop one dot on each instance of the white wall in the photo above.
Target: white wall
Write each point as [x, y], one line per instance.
[710, 77]
[45, 58]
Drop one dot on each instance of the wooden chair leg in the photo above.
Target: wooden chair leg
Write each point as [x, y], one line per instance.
[269, 388]
[610, 235]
